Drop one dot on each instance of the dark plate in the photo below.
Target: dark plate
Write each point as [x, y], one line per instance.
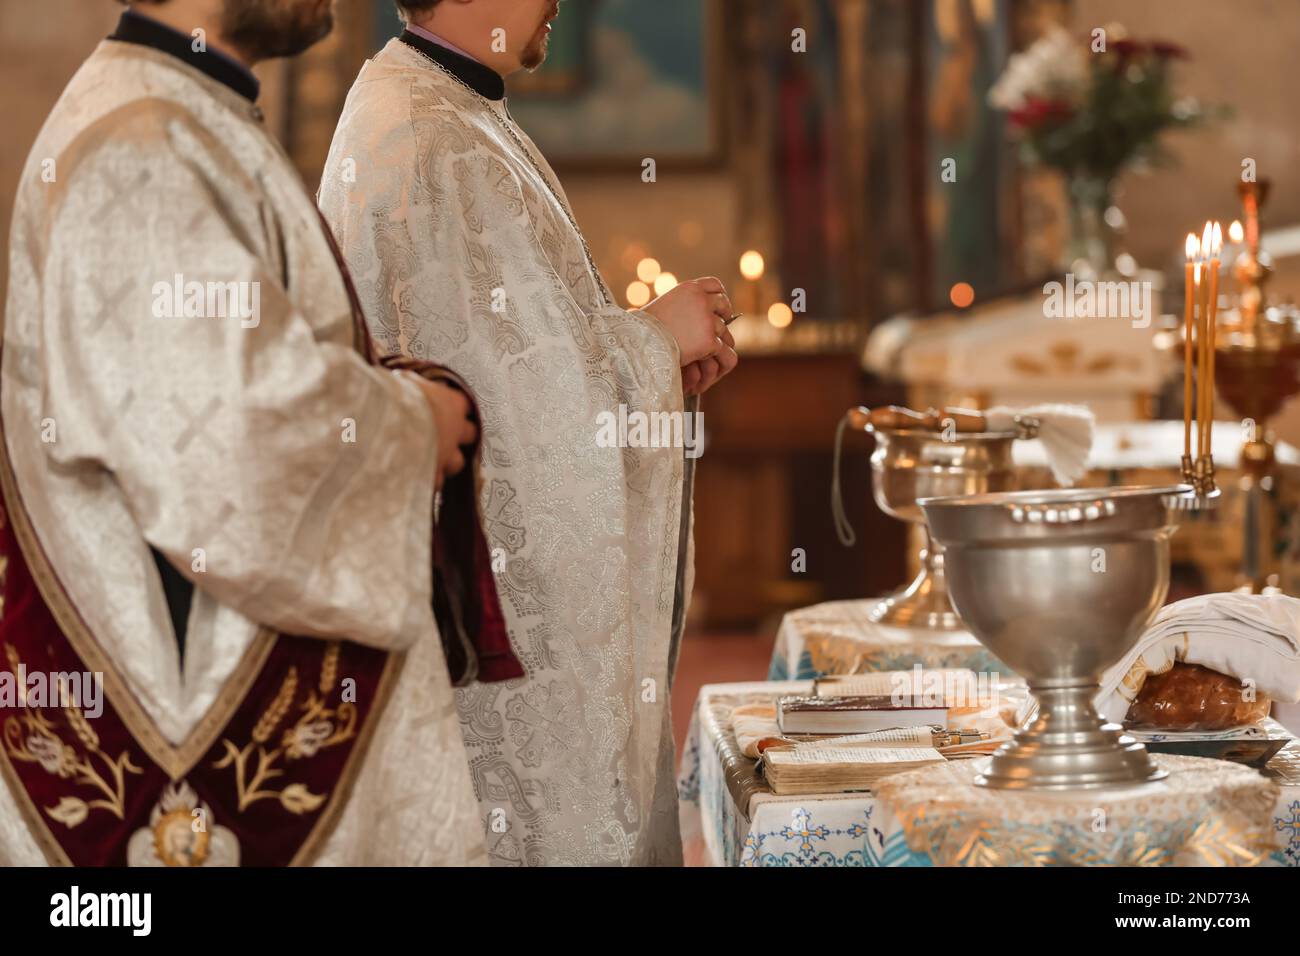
[1251, 751]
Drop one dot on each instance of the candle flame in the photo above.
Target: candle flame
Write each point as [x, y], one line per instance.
[1235, 232]
[1192, 247]
[1207, 239]
[1217, 245]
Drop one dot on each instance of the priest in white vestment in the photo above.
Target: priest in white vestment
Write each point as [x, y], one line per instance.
[198, 457]
[466, 252]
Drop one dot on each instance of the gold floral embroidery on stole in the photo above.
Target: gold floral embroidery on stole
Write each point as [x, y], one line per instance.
[318, 727]
[31, 738]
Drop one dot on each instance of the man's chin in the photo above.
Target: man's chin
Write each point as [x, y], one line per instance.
[271, 37]
[535, 55]
[323, 28]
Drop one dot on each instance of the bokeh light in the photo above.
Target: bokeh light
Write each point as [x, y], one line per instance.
[638, 294]
[961, 295]
[752, 265]
[647, 270]
[780, 315]
[665, 283]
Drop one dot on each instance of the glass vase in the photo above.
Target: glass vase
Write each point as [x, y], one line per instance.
[1093, 249]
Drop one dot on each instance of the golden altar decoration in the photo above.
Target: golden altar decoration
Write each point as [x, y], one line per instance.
[1007, 352]
[1205, 813]
[1255, 361]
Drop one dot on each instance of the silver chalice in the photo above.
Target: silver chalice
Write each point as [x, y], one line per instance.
[1059, 584]
[908, 464]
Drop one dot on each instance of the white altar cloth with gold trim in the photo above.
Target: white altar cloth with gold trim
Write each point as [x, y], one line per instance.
[729, 818]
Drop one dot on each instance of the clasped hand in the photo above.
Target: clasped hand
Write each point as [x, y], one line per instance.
[696, 314]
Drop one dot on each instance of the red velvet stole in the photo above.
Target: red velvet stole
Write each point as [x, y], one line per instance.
[262, 791]
[471, 623]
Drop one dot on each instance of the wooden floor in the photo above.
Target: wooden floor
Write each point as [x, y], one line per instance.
[715, 659]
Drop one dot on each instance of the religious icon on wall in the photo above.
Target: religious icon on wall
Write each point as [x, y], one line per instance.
[626, 80]
[967, 44]
[890, 177]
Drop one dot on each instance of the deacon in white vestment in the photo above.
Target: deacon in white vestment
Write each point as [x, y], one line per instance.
[235, 434]
[465, 251]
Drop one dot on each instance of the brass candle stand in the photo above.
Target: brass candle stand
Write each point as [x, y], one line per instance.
[1256, 369]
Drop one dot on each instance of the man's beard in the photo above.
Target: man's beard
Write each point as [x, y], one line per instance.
[267, 29]
[534, 54]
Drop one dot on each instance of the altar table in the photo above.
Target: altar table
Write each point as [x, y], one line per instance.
[729, 818]
[839, 637]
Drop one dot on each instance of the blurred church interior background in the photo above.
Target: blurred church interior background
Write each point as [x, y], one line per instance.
[812, 186]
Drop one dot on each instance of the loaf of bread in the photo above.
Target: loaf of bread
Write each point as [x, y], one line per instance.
[1192, 697]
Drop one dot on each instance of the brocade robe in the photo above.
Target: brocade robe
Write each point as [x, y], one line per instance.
[289, 480]
[458, 236]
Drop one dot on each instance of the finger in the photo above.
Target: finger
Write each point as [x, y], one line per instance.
[705, 350]
[710, 370]
[720, 303]
[727, 359]
[711, 285]
[708, 350]
[462, 401]
[728, 339]
[691, 376]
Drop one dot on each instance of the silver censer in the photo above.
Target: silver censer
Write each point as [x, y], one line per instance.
[909, 464]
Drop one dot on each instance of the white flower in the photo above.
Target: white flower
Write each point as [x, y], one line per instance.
[1054, 67]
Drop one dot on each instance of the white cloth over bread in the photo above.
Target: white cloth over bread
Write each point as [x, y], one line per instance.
[1248, 636]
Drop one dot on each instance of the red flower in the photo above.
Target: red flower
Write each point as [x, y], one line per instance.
[1168, 51]
[1038, 112]
[1128, 48]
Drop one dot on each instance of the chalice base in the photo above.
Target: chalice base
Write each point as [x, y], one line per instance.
[1068, 746]
[922, 604]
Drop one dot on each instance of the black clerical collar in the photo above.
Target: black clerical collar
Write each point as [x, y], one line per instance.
[140, 29]
[483, 80]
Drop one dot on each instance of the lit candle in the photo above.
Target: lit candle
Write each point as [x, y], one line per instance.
[1202, 337]
[1211, 326]
[1193, 250]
